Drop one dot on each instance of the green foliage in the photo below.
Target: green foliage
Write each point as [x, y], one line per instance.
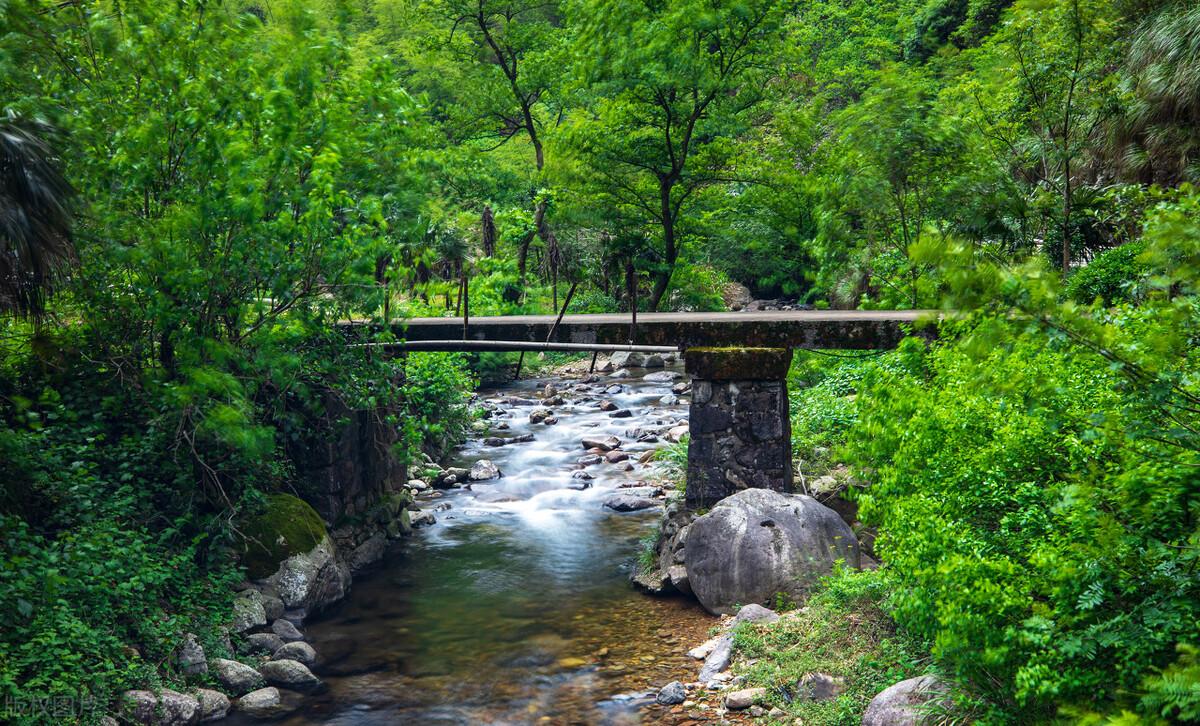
[1034, 484]
[436, 389]
[1111, 277]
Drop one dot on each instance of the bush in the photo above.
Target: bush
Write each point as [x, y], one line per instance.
[1111, 277]
[437, 388]
[1036, 527]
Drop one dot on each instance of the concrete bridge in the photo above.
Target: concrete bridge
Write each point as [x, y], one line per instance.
[739, 422]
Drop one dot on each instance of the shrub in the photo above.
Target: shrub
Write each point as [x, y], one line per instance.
[1111, 277]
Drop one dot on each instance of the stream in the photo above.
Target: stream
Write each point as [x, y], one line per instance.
[515, 607]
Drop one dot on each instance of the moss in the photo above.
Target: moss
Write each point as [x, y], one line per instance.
[738, 364]
[283, 527]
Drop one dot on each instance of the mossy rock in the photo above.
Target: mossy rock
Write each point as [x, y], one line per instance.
[284, 526]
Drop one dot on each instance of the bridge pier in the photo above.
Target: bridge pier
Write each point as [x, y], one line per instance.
[739, 422]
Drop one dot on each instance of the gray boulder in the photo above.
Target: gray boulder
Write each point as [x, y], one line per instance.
[237, 678]
[312, 580]
[263, 703]
[625, 358]
[289, 674]
[662, 376]
[484, 470]
[189, 656]
[757, 543]
[248, 611]
[263, 643]
[906, 703]
[298, 651]
[671, 694]
[165, 708]
[629, 503]
[214, 705]
[606, 443]
[286, 631]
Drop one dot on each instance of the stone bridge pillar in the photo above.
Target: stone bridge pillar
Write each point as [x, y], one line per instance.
[739, 422]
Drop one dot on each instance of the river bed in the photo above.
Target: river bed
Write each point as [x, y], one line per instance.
[516, 607]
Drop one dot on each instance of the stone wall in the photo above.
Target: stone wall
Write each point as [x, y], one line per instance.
[739, 423]
[347, 465]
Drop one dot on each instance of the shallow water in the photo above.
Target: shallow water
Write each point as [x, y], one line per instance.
[515, 607]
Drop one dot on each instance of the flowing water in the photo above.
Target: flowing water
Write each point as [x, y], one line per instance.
[515, 607]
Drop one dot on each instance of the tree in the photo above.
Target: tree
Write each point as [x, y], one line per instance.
[506, 50]
[36, 216]
[672, 85]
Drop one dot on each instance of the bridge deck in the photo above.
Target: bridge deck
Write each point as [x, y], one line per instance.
[850, 329]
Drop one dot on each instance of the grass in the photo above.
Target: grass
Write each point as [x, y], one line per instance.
[843, 631]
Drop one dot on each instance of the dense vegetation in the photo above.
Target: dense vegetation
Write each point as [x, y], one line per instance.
[193, 192]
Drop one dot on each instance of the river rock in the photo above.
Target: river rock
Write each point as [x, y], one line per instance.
[369, 551]
[629, 503]
[422, 518]
[662, 376]
[820, 687]
[298, 651]
[214, 705]
[272, 605]
[624, 358]
[615, 457]
[681, 388]
[669, 400]
[607, 406]
[165, 708]
[744, 698]
[604, 443]
[495, 441]
[550, 421]
[189, 656]
[671, 694]
[263, 643]
[286, 631]
[621, 413]
[484, 470]
[905, 703]
[654, 361]
[676, 434]
[289, 674]
[539, 415]
[263, 703]
[781, 544]
[620, 373]
[237, 678]
[417, 485]
[589, 460]
[312, 580]
[248, 611]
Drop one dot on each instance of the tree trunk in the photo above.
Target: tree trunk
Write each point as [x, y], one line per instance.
[488, 222]
[670, 251]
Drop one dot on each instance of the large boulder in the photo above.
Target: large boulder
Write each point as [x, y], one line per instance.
[214, 705]
[248, 611]
[906, 703]
[312, 580]
[263, 703]
[165, 708]
[758, 543]
[189, 656]
[289, 674]
[282, 527]
[237, 678]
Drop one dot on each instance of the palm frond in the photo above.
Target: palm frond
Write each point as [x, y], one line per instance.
[36, 217]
